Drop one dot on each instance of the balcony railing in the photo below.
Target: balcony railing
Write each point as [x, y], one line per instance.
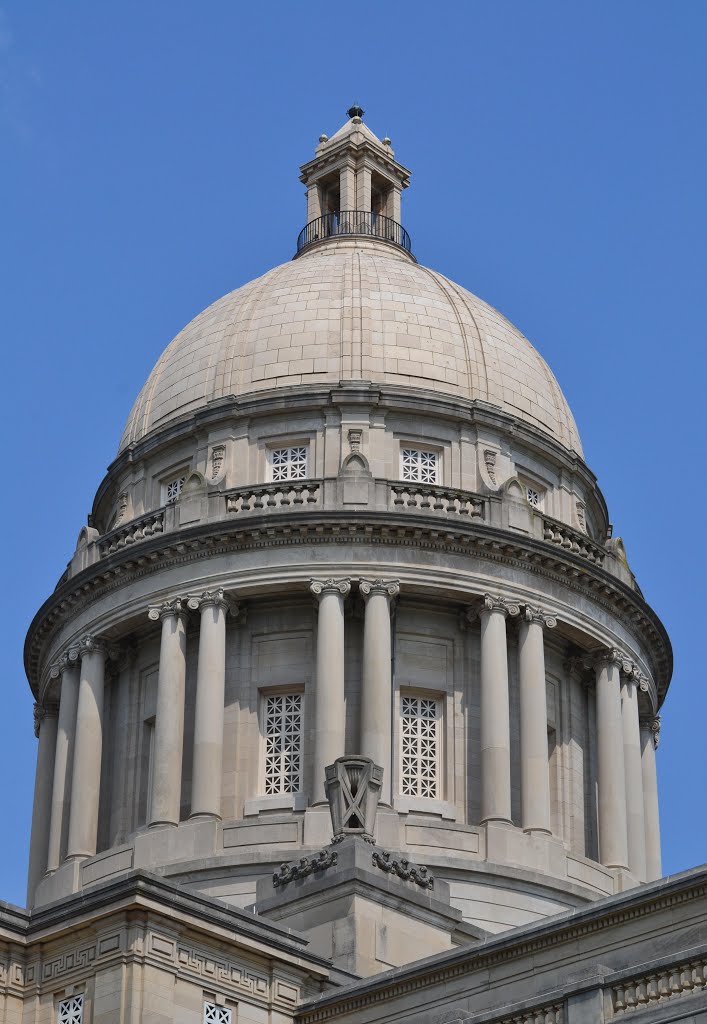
[354, 222]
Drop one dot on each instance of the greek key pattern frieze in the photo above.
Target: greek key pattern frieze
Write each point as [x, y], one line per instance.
[218, 969]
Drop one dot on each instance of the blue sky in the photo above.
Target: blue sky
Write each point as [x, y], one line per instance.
[148, 164]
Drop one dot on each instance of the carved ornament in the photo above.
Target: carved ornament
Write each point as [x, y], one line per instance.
[319, 587]
[218, 454]
[161, 611]
[613, 656]
[391, 588]
[652, 723]
[403, 869]
[500, 604]
[355, 436]
[210, 598]
[538, 615]
[490, 463]
[303, 867]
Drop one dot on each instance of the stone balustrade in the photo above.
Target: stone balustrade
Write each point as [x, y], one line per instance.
[577, 543]
[136, 530]
[660, 985]
[437, 499]
[286, 495]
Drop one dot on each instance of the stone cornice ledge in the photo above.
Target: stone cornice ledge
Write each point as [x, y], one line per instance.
[551, 931]
[492, 543]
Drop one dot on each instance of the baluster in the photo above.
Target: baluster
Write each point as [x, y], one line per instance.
[313, 494]
[412, 497]
[398, 492]
[272, 499]
[619, 999]
[425, 494]
[285, 498]
[259, 495]
[438, 503]
[298, 499]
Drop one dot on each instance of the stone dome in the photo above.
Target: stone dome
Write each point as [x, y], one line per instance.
[353, 309]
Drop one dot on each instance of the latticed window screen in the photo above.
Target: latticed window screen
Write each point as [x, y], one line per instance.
[214, 1014]
[173, 489]
[70, 1011]
[533, 496]
[283, 743]
[420, 753]
[289, 463]
[419, 465]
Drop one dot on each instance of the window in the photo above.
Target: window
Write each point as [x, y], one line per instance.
[289, 463]
[419, 465]
[172, 489]
[214, 1014]
[70, 1011]
[533, 496]
[283, 743]
[419, 746]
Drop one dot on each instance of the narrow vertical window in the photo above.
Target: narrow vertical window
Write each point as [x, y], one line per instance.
[283, 743]
[171, 489]
[419, 746]
[533, 496]
[70, 1011]
[289, 463]
[215, 1014]
[419, 465]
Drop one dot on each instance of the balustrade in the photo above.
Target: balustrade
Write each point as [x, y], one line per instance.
[134, 531]
[577, 543]
[437, 499]
[272, 496]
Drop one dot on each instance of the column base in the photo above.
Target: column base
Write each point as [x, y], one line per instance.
[163, 824]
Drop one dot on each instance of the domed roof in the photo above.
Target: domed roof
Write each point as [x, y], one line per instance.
[355, 310]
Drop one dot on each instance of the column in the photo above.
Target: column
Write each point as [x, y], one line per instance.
[534, 768]
[377, 678]
[45, 730]
[165, 797]
[88, 748]
[393, 204]
[69, 672]
[347, 188]
[207, 770]
[613, 841]
[314, 203]
[329, 707]
[635, 823]
[650, 732]
[495, 714]
[363, 189]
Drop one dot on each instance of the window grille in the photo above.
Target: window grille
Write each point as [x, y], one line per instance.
[419, 775]
[419, 465]
[289, 463]
[214, 1014]
[70, 1011]
[283, 743]
[173, 489]
[533, 496]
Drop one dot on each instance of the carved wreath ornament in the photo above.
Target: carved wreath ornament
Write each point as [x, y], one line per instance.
[303, 867]
[403, 869]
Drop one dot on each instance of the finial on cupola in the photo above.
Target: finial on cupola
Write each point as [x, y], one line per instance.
[355, 111]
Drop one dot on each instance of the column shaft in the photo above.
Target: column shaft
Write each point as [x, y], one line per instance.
[649, 734]
[634, 781]
[495, 713]
[88, 748]
[47, 725]
[165, 798]
[613, 842]
[329, 705]
[534, 768]
[377, 681]
[63, 763]
[207, 770]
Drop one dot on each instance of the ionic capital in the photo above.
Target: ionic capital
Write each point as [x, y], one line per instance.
[539, 616]
[651, 724]
[613, 656]
[39, 713]
[210, 599]
[500, 604]
[330, 586]
[162, 611]
[61, 664]
[390, 588]
[90, 644]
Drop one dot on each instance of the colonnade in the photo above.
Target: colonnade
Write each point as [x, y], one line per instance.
[67, 787]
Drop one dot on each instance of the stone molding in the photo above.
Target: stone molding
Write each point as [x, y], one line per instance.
[390, 588]
[161, 611]
[524, 553]
[538, 615]
[330, 586]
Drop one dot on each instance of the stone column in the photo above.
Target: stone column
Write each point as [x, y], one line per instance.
[329, 707]
[613, 840]
[363, 189]
[88, 748]
[650, 732]
[635, 822]
[347, 188]
[495, 714]
[165, 797]
[207, 769]
[534, 768]
[68, 669]
[45, 726]
[393, 206]
[377, 678]
[314, 202]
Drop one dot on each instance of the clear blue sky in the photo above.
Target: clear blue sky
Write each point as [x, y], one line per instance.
[148, 164]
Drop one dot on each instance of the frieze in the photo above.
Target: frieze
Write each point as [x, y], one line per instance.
[403, 869]
[304, 867]
[221, 970]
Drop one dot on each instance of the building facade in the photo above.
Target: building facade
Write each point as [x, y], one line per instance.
[347, 646]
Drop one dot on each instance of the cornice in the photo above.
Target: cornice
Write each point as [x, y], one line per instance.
[519, 942]
[315, 527]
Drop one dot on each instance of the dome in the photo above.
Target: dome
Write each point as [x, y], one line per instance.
[352, 309]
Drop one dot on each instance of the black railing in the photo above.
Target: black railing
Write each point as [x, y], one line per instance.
[353, 222]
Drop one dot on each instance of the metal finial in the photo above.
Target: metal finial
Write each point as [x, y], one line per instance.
[355, 111]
